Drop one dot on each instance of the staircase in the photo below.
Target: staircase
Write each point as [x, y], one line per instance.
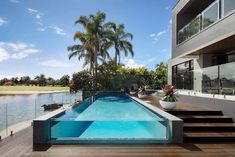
[206, 126]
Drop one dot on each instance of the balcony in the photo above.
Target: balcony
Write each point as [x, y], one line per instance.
[215, 11]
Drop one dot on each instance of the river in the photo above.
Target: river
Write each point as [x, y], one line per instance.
[18, 108]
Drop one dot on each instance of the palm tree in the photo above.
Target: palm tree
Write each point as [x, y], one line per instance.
[119, 39]
[92, 41]
[84, 50]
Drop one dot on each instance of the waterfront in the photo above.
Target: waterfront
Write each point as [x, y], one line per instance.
[19, 108]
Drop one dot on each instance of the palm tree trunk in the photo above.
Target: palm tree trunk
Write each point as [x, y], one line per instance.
[116, 54]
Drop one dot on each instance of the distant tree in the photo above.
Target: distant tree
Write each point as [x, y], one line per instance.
[64, 81]
[81, 81]
[8, 83]
[25, 80]
[3, 81]
[15, 80]
[40, 80]
[50, 81]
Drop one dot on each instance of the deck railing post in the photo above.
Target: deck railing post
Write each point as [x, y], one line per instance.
[35, 108]
[6, 107]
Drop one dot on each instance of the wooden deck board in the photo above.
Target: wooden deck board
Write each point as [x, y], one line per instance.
[20, 145]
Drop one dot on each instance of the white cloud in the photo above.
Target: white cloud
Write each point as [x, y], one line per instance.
[41, 29]
[161, 33]
[56, 64]
[170, 21]
[18, 50]
[152, 35]
[3, 54]
[157, 36]
[130, 63]
[36, 14]
[2, 21]
[151, 60]
[58, 30]
[164, 50]
[14, 1]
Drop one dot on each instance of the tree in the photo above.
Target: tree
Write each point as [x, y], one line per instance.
[64, 81]
[40, 80]
[81, 81]
[160, 75]
[91, 40]
[25, 80]
[120, 40]
[50, 81]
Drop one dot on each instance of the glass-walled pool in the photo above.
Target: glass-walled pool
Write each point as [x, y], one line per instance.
[114, 118]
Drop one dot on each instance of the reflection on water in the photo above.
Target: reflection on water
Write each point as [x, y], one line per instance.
[18, 108]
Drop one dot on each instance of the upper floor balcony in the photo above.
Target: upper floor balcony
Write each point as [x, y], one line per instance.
[216, 10]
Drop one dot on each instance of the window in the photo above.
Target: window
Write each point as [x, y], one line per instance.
[228, 7]
[210, 15]
[182, 75]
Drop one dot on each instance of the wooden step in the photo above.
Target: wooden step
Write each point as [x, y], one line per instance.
[205, 119]
[209, 137]
[201, 127]
[196, 112]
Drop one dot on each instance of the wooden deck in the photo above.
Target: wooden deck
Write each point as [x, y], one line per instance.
[20, 145]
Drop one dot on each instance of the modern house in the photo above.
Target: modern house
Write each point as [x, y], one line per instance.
[203, 46]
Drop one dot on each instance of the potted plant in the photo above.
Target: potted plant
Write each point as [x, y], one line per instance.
[132, 91]
[142, 92]
[169, 100]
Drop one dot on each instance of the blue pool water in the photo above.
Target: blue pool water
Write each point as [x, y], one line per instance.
[113, 116]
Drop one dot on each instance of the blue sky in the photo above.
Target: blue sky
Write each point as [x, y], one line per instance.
[34, 35]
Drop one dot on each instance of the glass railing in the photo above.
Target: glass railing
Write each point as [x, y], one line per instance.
[18, 111]
[219, 79]
[200, 22]
[214, 80]
[228, 6]
[227, 78]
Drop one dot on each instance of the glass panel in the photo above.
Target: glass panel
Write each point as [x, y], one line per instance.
[227, 78]
[229, 6]
[210, 80]
[210, 15]
[194, 26]
[183, 34]
[182, 78]
[109, 129]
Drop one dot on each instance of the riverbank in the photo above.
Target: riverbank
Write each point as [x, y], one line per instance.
[27, 90]
[30, 92]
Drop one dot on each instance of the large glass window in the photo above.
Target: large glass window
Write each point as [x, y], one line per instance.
[182, 75]
[229, 6]
[210, 15]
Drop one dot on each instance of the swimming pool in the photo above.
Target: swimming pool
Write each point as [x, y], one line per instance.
[113, 117]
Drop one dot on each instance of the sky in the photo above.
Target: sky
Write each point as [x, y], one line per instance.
[35, 34]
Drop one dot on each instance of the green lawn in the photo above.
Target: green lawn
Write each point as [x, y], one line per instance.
[31, 88]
